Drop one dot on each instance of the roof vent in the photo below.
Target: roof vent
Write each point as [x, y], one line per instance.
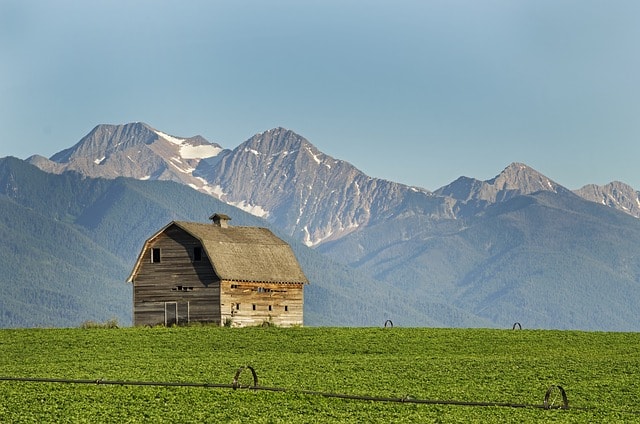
[220, 219]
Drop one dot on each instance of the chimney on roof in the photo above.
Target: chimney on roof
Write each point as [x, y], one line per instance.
[220, 219]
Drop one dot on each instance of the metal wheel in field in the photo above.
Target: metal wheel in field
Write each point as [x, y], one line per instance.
[240, 382]
[556, 398]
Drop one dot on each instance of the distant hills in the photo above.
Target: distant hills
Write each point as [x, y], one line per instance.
[519, 247]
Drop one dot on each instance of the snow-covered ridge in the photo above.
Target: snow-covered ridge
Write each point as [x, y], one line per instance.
[189, 151]
[170, 138]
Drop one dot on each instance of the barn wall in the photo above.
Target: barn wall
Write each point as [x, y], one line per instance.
[177, 286]
[251, 304]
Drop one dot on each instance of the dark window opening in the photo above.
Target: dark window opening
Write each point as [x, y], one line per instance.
[264, 290]
[155, 255]
[286, 308]
[237, 306]
[197, 254]
[182, 288]
[234, 286]
[254, 307]
[270, 307]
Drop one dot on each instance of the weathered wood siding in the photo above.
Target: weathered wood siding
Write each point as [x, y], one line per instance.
[178, 287]
[251, 303]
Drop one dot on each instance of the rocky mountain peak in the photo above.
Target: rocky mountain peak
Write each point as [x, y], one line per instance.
[281, 176]
[134, 150]
[277, 141]
[516, 179]
[105, 138]
[522, 179]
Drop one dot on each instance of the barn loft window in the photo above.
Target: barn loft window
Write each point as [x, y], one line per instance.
[197, 254]
[182, 288]
[155, 255]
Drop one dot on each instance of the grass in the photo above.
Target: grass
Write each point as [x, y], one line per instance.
[599, 372]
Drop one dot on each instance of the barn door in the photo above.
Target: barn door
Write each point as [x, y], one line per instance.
[176, 313]
[170, 313]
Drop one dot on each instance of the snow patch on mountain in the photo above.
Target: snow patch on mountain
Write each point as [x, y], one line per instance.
[307, 237]
[180, 166]
[314, 156]
[188, 150]
[252, 151]
[216, 191]
[252, 209]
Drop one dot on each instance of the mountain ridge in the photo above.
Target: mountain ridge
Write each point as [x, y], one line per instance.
[107, 152]
[615, 194]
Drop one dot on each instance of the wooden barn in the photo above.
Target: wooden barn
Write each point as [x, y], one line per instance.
[216, 273]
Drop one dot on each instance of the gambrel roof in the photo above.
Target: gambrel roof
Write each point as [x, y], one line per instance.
[239, 253]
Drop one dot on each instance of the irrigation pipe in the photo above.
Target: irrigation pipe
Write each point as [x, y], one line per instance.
[549, 402]
[554, 394]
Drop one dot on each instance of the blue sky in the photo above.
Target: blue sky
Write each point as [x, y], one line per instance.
[418, 92]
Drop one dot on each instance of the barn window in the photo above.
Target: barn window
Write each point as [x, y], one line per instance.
[254, 307]
[286, 308]
[270, 307]
[197, 254]
[237, 306]
[155, 255]
[182, 288]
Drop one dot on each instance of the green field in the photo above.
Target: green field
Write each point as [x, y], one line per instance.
[599, 372]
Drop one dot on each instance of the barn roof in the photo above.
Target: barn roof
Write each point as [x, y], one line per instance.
[240, 253]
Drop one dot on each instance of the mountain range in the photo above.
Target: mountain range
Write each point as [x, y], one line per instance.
[519, 247]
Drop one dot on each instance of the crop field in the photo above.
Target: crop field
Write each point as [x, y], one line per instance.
[113, 369]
